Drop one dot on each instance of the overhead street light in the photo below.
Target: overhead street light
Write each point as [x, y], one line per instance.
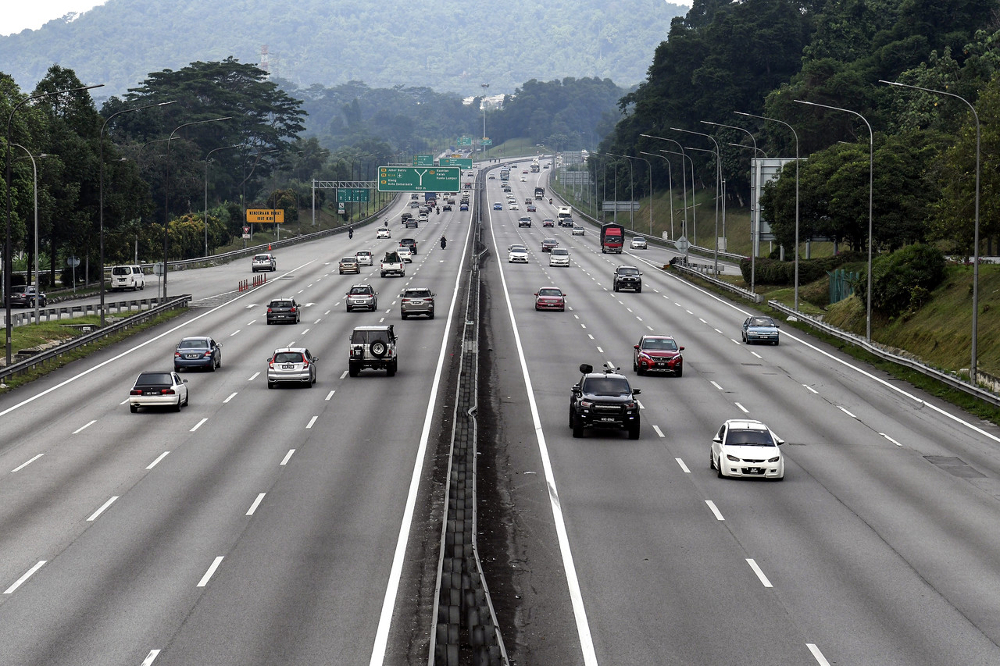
[683, 179]
[34, 175]
[207, 160]
[718, 178]
[670, 186]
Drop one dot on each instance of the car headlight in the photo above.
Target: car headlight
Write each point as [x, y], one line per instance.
[774, 459]
[732, 458]
[586, 404]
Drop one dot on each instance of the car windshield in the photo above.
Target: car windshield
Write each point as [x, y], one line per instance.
[122, 270]
[151, 378]
[348, 260]
[193, 344]
[559, 251]
[606, 386]
[360, 290]
[628, 271]
[261, 257]
[749, 438]
[364, 253]
[549, 291]
[518, 248]
[550, 241]
[659, 343]
[288, 357]
[761, 321]
[280, 304]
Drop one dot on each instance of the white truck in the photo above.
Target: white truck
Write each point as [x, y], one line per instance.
[563, 214]
[392, 264]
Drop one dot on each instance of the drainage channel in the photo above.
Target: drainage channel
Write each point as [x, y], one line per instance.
[466, 630]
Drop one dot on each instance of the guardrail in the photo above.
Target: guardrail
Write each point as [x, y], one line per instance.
[83, 340]
[721, 284]
[46, 314]
[948, 378]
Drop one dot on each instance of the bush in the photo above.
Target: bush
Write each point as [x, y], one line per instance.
[903, 281]
[779, 273]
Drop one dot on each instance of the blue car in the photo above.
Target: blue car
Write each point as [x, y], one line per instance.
[759, 329]
[497, 206]
[463, 207]
[198, 352]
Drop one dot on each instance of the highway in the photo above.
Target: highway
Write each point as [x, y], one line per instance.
[878, 548]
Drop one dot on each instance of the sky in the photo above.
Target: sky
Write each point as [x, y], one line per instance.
[20, 14]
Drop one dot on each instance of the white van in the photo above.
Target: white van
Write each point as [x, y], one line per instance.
[127, 277]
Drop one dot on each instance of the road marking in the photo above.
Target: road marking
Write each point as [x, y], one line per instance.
[742, 408]
[158, 459]
[253, 376]
[683, 466]
[199, 424]
[590, 336]
[658, 431]
[284, 461]
[702, 320]
[760, 574]
[101, 510]
[318, 320]
[756, 354]
[211, 570]
[311, 422]
[235, 332]
[719, 332]
[715, 509]
[256, 503]
[330, 395]
[231, 396]
[252, 305]
[150, 658]
[84, 427]
[576, 316]
[649, 327]
[735, 341]
[810, 388]
[600, 351]
[820, 659]
[25, 464]
[124, 401]
[291, 344]
[28, 574]
[344, 374]
[583, 325]
[641, 406]
[299, 292]
[689, 312]
[305, 331]
[326, 313]
[249, 323]
[890, 439]
[629, 309]
[716, 385]
[846, 412]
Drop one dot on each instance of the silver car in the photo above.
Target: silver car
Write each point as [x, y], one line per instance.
[291, 364]
[559, 257]
[416, 301]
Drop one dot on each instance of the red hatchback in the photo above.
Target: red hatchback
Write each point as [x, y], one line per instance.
[658, 352]
[550, 298]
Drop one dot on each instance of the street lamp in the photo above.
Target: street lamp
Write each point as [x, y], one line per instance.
[207, 160]
[631, 194]
[754, 240]
[242, 185]
[482, 144]
[670, 186]
[755, 149]
[166, 196]
[683, 180]
[871, 189]
[975, 242]
[718, 178]
[101, 199]
[6, 247]
[34, 175]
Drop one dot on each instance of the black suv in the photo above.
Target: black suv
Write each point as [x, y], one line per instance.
[627, 277]
[603, 400]
[410, 243]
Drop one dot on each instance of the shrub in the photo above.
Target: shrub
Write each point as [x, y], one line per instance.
[779, 273]
[902, 281]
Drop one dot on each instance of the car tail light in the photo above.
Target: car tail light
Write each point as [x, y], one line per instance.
[269, 309]
[135, 392]
[292, 310]
[270, 363]
[167, 391]
[208, 353]
[177, 354]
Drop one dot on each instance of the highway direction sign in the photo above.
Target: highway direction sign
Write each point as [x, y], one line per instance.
[423, 160]
[486, 141]
[265, 215]
[352, 194]
[465, 140]
[465, 163]
[417, 179]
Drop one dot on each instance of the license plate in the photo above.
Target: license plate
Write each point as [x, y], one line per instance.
[755, 470]
[191, 356]
[152, 393]
[288, 366]
[608, 418]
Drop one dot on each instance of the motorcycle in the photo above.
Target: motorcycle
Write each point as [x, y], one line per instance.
[438, 209]
[444, 242]
[350, 233]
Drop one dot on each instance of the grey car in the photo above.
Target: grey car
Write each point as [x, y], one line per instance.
[759, 329]
[291, 364]
[198, 352]
[416, 301]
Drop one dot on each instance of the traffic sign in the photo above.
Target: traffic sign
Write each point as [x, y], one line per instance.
[415, 179]
[465, 140]
[683, 245]
[486, 141]
[265, 215]
[465, 163]
[352, 194]
[73, 261]
[246, 232]
[423, 160]
[158, 268]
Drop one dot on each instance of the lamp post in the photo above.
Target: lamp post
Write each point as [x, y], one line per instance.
[683, 179]
[755, 149]
[166, 196]
[101, 198]
[975, 241]
[207, 160]
[242, 185]
[718, 179]
[6, 246]
[631, 222]
[482, 144]
[754, 241]
[34, 176]
[871, 189]
[670, 186]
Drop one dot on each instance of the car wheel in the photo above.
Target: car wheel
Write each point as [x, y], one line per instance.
[352, 369]
[270, 385]
[711, 459]
[680, 372]
[638, 290]
[177, 369]
[775, 343]
[571, 416]
[633, 431]
[390, 370]
[402, 315]
[577, 427]
[219, 364]
[640, 370]
[635, 366]
[187, 399]
[718, 467]
[779, 478]
[431, 316]
[133, 408]
[211, 366]
[177, 407]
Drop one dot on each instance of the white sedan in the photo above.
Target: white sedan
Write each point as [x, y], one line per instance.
[517, 254]
[743, 447]
[383, 232]
[405, 254]
[638, 243]
[514, 206]
[158, 389]
[559, 256]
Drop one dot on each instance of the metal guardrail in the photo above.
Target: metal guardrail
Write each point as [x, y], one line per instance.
[83, 340]
[721, 284]
[948, 378]
[47, 314]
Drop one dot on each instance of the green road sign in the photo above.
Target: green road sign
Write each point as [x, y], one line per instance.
[418, 179]
[487, 142]
[464, 163]
[352, 194]
[423, 160]
[465, 140]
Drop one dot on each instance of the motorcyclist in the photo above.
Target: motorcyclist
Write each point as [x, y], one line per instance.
[350, 231]
[438, 209]
[444, 242]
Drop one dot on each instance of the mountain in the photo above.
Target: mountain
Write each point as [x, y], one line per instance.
[448, 45]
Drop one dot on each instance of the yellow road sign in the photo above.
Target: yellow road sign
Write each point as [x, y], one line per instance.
[265, 215]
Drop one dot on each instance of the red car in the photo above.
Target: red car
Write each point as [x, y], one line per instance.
[550, 298]
[658, 352]
[548, 244]
[531, 208]
[548, 223]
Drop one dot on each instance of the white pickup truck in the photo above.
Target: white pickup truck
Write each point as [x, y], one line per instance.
[392, 264]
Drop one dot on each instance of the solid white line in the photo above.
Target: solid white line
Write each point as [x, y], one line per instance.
[810, 388]
[572, 580]
[396, 571]
[344, 374]
[150, 658]
[158, 459]
[760, 574]
[287, 457]
[104, 506]
[744, 409]
[311, 422]
[846, 412]
[25, 464]
[890, 439]
[641, 406]
[26, 576]
[716, 385]
[231, 396]
[658, 431]
[715, 509]
[820, 659]
[256, 503]
[211, 570]
[684, 467]
[198, 424]
[253, 376]
[84, 427]
[329, 395]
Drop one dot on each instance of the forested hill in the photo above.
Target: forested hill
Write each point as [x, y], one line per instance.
[448, 45]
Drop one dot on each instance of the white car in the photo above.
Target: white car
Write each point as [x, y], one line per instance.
[158, 389]
[523, 179]
[559, 256]
[383, 232]
[404, 253]
[517, 254]
[638, 243]
[263, 262]
[743, 447]
[514, 206]
[364, 258]
[578, 230]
